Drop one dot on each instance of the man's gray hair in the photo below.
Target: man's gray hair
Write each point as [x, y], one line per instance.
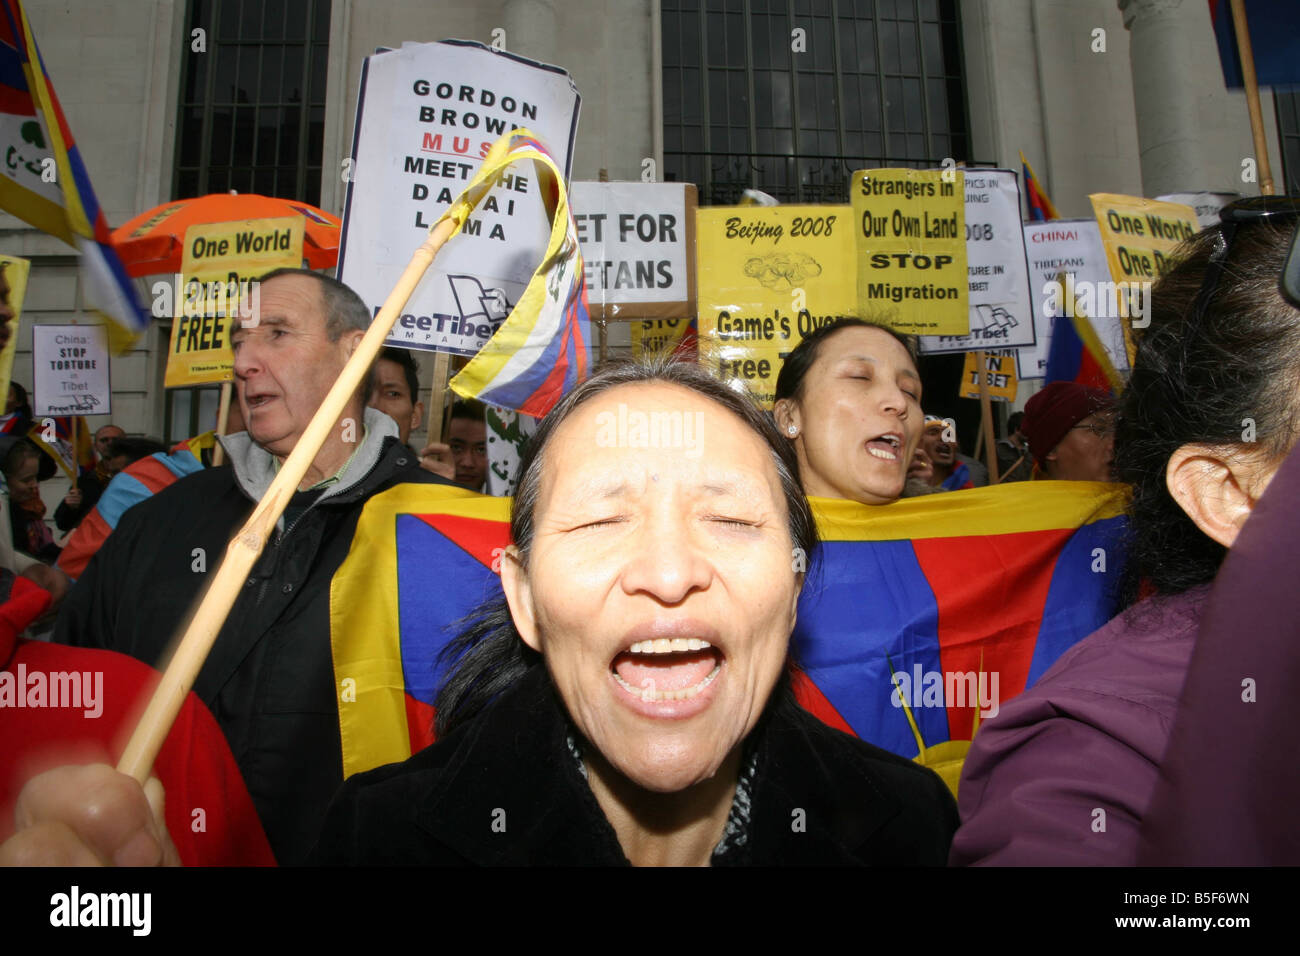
[344, 309]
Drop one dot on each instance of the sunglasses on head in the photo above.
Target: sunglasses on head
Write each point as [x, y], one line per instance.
[1275, 209]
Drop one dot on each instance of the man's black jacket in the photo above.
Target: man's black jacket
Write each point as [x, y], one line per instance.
[504, 790]
[269, 679]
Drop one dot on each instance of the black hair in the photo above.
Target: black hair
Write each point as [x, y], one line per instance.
[489, 656]
[19, 452]
[789, 381]
[468, 408]
[134, 448]
[24, 408]
[410, 369]
[1013, 423]
[1235, 372]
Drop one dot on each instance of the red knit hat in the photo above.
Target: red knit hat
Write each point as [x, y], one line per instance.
[1052, 412]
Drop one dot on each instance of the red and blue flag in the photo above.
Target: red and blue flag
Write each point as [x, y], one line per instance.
[1040, 207]
[1274, 42]
[542, 348]
[998, 580]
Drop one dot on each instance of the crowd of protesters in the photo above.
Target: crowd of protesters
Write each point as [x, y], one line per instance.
[527, 703]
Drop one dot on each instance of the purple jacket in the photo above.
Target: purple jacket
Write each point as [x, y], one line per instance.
[1063, 775]
[1230, 785]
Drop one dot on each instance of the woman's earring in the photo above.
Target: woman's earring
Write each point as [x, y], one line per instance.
[793, 431]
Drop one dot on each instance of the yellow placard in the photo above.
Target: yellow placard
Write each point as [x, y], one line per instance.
[220, 262]
[999, 375]
[16, 271]
[1139, 236]
[653, 336]
[766, 277]
[910, 227]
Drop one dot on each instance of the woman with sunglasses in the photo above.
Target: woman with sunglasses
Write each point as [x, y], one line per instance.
[1065, 773]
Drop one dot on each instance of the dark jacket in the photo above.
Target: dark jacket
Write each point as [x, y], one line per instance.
[67, 517]
[504, 789]
[269, 679]
[1062, 776]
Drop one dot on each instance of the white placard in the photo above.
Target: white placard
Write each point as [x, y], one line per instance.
[70, 365]
[1206, 205]
[427, 114]
[634, 240]
[1000, 302]
[507, 432]
[1072, 246]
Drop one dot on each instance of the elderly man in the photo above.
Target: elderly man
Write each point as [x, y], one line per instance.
[269, 679]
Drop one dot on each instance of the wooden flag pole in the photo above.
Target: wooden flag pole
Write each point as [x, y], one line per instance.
[986, 419]
[223, 419]
[438, 397]
[247, 545]
[1252, 95]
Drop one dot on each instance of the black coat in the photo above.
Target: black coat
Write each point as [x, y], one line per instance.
[67, 517]
[269, 679]
[509, 768]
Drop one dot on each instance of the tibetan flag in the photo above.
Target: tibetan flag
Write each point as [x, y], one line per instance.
[1274, 27]
[1040, 207]
[422, 558]
[542, 348]
[991, 583]
[44, 181]
[922, 617]
[68, 443]
[1075, 352]
[133, 484]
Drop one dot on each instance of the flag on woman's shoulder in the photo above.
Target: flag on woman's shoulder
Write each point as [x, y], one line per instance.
[915, 616]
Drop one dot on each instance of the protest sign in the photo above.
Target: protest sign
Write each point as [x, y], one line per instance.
[911, 249]
[1072, 246]
[70, 365]
[1205, 205]
[638, 248]
[507, 431]
[1140, 236]
[427, 114]
[219, 264]
[16, 271]
[1000, 303]
[653, 336]
[768, 276]
[999, 375]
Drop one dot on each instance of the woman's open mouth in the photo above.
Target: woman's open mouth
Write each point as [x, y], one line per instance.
[885, 447]
[666, 670]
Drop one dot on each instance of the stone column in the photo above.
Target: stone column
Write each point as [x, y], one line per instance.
[530, 29]
[1170, 139]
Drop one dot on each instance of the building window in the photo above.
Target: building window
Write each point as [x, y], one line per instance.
[791, 96]
[191, 411]
[1288, 135]
[252, 106]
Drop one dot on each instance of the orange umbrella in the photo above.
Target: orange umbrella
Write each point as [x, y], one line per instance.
[153, 242]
